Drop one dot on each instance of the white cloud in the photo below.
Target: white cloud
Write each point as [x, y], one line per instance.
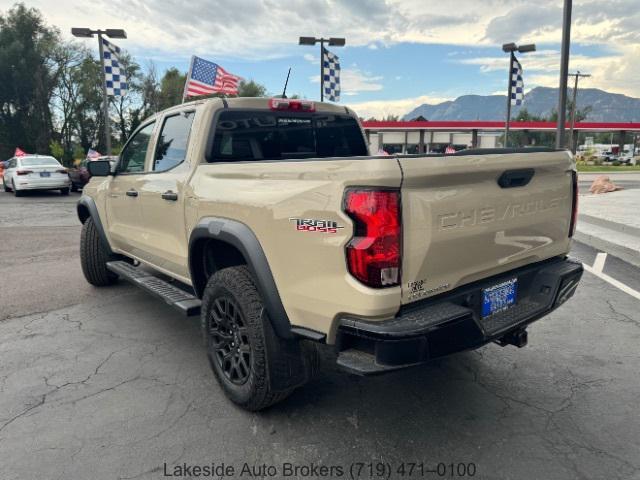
[264, 29]
[255, 28]
[617, 72]
[381, 108]
[353, 81]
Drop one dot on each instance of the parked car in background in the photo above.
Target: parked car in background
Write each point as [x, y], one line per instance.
[80, 175]
[35, 172]
[626, 158]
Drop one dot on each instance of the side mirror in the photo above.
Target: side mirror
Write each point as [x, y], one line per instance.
[99, 168]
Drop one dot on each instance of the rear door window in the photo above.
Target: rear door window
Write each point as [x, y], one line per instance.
[263, 135]
[171, 149]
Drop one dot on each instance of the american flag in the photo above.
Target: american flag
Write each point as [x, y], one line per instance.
[206, 77]
[93, 154]
[449, 150]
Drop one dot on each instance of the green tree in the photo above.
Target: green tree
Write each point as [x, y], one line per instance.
[171, 88]
[89, 117]
[57, 150]
[68, 58]
[149, 92]
[127, 106]
[27, 45]
[251, 89]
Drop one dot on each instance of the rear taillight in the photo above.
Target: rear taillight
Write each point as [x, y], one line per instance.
[292, 105]
[574, 205]
[374, 252]
[23, 172]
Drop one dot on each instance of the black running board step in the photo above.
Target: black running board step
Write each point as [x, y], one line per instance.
[363, 363]
[176, 297]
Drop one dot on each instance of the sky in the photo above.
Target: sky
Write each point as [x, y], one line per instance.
[398, 54]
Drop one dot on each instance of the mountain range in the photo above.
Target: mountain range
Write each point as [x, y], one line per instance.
[540, 101]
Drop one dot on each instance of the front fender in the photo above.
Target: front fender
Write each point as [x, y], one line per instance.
[86, 208]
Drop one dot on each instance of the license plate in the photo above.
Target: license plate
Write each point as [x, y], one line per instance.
[499, 297]
[45, 174]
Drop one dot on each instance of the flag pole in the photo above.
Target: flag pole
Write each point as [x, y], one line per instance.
[508, 119]
[322, 69]
[186, 80]
[105, 98]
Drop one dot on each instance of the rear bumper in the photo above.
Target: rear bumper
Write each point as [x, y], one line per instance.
[452, 322]
[44, 184]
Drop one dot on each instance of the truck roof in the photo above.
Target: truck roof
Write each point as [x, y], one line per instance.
[260, 103]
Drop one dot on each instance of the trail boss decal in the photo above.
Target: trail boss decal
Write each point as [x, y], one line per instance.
[310, 225]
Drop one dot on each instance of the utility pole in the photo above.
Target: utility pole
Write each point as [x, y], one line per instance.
[574, 108]
[564, 70]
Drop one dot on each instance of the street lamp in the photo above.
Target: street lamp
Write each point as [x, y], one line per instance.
[111, 33]
[510, 48]
[332, 42]
[564, 70]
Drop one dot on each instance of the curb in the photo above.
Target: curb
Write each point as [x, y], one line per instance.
[601, 222]
[624, 253]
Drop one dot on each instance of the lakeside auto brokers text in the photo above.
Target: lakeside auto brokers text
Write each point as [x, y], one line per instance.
[353, 471]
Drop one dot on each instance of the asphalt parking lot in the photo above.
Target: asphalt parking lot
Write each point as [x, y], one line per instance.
[111, 383]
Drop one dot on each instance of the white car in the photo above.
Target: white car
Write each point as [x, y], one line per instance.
[35, 172]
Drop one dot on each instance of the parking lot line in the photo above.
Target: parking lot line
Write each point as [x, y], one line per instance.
[596, 270]
[598, 264]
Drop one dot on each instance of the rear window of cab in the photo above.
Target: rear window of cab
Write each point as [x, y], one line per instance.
[263, 135]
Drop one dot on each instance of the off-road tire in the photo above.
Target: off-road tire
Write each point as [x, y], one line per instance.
[273, 361]
[64, 191]
[94, 257]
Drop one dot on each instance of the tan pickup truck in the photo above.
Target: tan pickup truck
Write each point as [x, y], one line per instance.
[269, 219]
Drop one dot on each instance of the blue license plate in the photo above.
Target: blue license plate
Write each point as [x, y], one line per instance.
[45, 174]
[499, 297]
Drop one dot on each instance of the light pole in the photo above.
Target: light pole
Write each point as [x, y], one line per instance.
[510, 48]
[564, 70]
[111, 33]
[574, 108]
[332, 42]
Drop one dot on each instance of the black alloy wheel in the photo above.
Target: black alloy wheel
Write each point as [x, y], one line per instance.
[229, 344]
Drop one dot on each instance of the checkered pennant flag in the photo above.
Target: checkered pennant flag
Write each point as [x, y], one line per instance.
[114, 79]
[517, 85]
[331, 76]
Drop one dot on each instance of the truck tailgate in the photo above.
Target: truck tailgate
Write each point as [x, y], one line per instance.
[460, 225]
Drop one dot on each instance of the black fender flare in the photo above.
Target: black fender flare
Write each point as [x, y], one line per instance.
[241, 237]
[86, 207]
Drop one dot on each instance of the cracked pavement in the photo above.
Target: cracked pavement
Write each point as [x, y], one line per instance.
[112, 383]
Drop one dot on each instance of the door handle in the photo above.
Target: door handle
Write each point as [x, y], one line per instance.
[169, 195]
[132, 193]
[516, 178]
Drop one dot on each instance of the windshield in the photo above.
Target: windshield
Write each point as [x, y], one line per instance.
[265, 135]
[38, 162]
